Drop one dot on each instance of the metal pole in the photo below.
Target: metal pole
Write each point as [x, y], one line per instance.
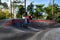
[25, 6]
[53, 17]
[11, 8]
[52, 7]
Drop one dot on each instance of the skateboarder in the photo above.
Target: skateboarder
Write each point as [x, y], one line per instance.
[29, 17]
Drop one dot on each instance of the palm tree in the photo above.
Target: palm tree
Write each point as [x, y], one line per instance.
[39, 9]
[21, 11]
[30, 9]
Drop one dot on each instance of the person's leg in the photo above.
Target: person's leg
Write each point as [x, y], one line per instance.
[25, 25]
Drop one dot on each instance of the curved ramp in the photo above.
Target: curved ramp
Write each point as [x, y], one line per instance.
[19, 24]
[37, 24]
[50, 34]
[9, 33]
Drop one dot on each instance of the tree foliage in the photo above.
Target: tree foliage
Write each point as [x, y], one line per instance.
[21, 11]
[30, 9]
[39, 10]
[36, 11]
[48, 10]
[5, 5]
[2, 15]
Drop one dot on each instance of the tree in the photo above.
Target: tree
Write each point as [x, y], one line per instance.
[48, 10]
[30, 9]
[6, 13]
[2, 15]
[5, 5]
[21, 11]
[15, 5]
[38, 10]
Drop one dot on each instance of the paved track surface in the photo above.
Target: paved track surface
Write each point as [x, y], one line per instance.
[14, 34]
[51, 34]
[11, 33]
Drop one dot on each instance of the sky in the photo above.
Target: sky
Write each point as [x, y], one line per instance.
[46, 2]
